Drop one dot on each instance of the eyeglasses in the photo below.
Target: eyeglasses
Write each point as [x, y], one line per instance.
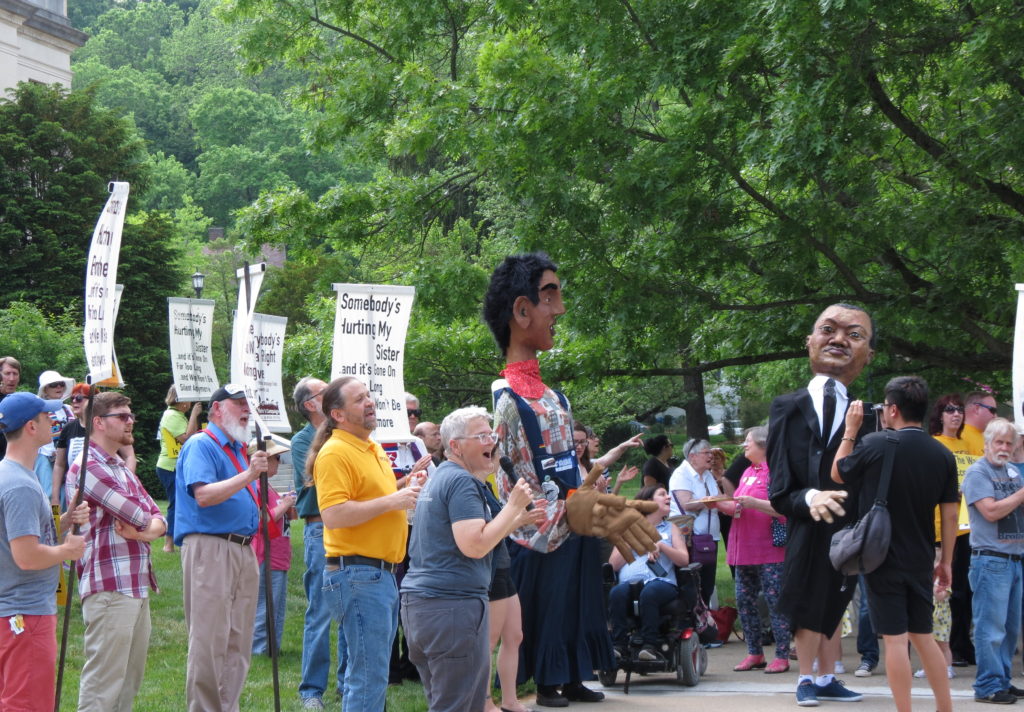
[124, 417]
[953, 409]
[77, 399]
[314, 396]
[414, 412]
[990, 408]
[580, 443]
[482, 438]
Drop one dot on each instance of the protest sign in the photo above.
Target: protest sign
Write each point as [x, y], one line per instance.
[190, 328]
[244, 369]
[370, 324]
[100, 279]
[264, 351]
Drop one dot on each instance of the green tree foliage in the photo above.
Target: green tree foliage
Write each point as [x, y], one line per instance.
[708, 175]
[57, 154]
[42, 341]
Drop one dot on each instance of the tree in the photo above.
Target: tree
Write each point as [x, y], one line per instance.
[711, 175]
[57, 154]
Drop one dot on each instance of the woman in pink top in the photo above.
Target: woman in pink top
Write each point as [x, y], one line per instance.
[758, 563]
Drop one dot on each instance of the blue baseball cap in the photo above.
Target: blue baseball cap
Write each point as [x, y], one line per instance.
[21, 407]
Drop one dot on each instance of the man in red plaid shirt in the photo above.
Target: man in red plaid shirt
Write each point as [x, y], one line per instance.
[116, 574]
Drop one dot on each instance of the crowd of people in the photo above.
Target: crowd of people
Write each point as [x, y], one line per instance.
[488, 533]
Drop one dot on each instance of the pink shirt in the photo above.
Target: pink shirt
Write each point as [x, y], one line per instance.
[750, 538]
[280, 545]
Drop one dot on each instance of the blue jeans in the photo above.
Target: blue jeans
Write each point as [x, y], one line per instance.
[279, 590]
[166, 478]
[996, 584]
[364, 599]
[867, 641]
[316, 633]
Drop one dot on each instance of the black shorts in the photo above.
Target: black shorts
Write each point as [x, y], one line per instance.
[900, 601]
[501, 586]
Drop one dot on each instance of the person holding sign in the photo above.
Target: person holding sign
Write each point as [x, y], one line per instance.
[365, 534]
[30, 558]
[216, 519]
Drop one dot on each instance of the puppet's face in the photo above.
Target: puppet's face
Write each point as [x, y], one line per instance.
[536, 322]
[839, 346]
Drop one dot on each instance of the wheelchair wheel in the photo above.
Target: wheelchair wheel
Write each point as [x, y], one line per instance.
[691, 661]
[607, 677]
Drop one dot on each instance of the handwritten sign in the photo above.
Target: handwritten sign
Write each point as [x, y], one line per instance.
[190, 331]
[100, 279]
[370, 325]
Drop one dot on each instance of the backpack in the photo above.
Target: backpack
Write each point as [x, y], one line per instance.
[861, 548]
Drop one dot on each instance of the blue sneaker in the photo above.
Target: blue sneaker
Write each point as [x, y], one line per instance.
[836, 691]
[807, 694]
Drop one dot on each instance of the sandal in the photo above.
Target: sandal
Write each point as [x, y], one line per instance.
[776, 666]
[751, 662]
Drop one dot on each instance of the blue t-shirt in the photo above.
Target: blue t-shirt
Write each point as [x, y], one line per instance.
[437, 568]
[983, 479]
[203, 461]
[24, 511]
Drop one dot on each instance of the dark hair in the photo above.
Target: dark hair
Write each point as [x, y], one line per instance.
[655, 445]
[935, 422]
[873, 340]
[647, 493]
[16, 365]
[333, 398]
[585, 457]
[103, 403]
[517, 276]
[910, 395]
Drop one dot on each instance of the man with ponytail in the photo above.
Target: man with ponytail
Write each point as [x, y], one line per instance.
[365, 532]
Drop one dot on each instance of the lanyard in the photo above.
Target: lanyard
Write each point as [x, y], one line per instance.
[272, 527]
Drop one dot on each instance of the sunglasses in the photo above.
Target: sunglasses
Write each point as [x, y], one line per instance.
[990, 408]
[414, 412]
[77, 399]
[124, 417]
[953, 409]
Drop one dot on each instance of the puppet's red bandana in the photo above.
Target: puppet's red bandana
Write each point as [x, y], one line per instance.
[524, 378]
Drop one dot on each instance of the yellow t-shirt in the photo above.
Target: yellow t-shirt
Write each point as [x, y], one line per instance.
[964, 459]
[974, 439]
[349, 468]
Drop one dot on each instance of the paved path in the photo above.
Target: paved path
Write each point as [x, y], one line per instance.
[722, 690]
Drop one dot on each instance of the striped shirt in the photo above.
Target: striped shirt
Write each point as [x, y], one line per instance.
[111, 562]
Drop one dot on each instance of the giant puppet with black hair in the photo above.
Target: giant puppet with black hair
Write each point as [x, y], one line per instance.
[556, 566]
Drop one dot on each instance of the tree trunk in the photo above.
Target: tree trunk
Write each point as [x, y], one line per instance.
[696, 413]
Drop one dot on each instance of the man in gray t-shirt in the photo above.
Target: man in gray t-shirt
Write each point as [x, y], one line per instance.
[444, 595]
[994, 495]
[29, 557]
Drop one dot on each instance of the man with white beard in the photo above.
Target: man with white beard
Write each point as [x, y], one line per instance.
[215, 520]
[994, 495]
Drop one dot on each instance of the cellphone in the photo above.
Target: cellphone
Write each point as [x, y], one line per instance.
[656, 568]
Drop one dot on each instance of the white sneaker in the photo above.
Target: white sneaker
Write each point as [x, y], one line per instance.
[864, 670]
[949, 672]
[840, 669]
[919, 674]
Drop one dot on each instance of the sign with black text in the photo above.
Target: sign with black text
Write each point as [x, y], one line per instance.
[190, 328]
[100, 279]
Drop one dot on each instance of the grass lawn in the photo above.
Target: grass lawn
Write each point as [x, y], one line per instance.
[164, 685]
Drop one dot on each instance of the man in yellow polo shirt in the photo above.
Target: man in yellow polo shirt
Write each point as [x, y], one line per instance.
[365, 531]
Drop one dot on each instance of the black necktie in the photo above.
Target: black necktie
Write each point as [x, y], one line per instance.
[828, 410]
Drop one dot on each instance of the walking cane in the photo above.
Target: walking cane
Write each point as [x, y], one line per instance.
[75, 529]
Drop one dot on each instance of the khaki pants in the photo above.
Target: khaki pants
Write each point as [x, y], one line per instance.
[116, 642]
[219, 585]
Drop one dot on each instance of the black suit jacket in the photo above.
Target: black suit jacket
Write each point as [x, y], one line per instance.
[814, 595]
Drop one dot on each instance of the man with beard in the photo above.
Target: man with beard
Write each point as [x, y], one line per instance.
[365, 533]
[805, 430]
[994, 494]
[216, 518]
[115, 573]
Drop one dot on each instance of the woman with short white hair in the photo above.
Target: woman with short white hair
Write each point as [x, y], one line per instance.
[444, 594]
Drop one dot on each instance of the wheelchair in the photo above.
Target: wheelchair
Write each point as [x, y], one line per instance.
[680, 646]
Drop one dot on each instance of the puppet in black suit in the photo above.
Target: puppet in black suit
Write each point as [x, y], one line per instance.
[800, 454]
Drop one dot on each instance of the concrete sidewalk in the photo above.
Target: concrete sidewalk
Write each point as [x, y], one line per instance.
[721, 689]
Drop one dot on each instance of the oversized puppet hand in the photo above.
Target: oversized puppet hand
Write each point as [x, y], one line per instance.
[620, 521]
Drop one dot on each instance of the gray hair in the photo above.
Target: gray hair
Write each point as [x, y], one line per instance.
[759, 434]
[692, 447]
[456, 424]
[999, 426]
[409, 397]
[302, 393]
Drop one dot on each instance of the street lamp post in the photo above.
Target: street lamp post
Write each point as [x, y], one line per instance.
[197, 283]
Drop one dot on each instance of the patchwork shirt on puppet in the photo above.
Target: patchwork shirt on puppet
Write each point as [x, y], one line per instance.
[553, 422]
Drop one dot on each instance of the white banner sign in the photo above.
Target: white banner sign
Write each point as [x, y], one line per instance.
[244, 369]
[190, 327]
[1018, 359]
[264, 351]
[100, 278]
[370, 325]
